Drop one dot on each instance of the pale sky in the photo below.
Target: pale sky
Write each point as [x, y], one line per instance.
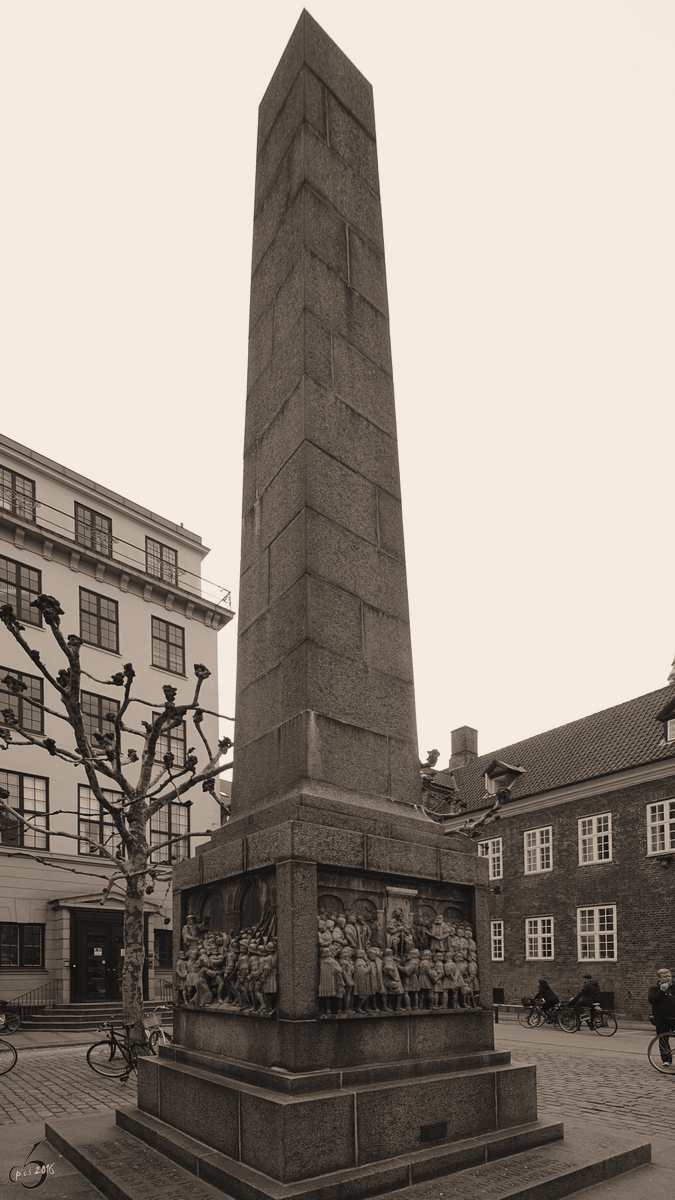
[526, 165]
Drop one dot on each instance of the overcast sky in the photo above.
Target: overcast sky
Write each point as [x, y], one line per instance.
[526, 164]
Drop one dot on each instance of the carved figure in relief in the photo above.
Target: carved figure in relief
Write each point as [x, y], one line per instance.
[351, 935]
[392, 980]
[345, 960]
[439, 934]
[378, 995]
[362, 981]
[411, 978]
[181, 975]
[362, 933]
[427, 977]
[192, 933]
[269, 985]
[331, 981]
[437, 992]
[192, 977]
[452, 981]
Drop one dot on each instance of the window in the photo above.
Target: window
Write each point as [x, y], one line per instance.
[670, 730]
[539, 937]
[596, 933]
[163, 948]
[98, 621]
[28, 795]
[94, 710]
[661, 827]
[595, 839]
[22, 945]
[538, 850]
[170, 821]
[168, 646]
[96, 822]
[493, 852]
[497, 940]
[172, 742]
[161, 561]
[94, 530]
[19, 586]
[28, 715]
[17, 494]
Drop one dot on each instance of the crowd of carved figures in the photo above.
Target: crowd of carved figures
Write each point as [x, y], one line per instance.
[234, 972]
[421, 966]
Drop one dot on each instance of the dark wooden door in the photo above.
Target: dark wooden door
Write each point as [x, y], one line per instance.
[100, 954]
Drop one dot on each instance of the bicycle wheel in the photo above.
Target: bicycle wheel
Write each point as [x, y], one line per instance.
[537, 1018]
[661, 1053]
[568, 1020]
[605, 1024]
[107, 1058]
[524, 1017]
[159, 1037]
[12, 1022]
[8, 1057]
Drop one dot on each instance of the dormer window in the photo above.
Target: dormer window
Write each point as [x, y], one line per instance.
[670, 730]
[666, 718]
[501, 776]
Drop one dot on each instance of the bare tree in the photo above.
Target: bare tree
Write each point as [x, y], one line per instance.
[143, 782]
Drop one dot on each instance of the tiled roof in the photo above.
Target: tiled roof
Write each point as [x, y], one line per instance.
[615, 739]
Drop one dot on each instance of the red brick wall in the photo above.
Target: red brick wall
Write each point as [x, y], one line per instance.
[642, 890]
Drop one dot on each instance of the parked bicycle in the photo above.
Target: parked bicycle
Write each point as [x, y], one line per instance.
[157, 1034]
[601, 1020]
[116, 1056]
[8, 1056]
[10, 1019]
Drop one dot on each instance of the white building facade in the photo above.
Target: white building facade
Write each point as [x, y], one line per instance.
[130, 585]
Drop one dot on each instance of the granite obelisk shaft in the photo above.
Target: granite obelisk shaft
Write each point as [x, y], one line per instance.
[325, 698]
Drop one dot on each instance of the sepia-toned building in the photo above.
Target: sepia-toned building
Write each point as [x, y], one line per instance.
[131, 587]
[581, 855]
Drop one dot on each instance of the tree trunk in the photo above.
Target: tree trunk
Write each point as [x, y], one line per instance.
[134, 949]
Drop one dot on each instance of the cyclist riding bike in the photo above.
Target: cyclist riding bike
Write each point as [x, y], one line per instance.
[547, 995]
[588, 997]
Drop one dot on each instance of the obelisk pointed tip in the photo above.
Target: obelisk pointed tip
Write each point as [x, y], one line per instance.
[311, 47]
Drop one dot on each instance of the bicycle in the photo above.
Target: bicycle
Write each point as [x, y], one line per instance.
[662, 1044]
[10, 1020]
[116, 1056]
[534, 1016]
[602, 1021]
[8, 1056]
[157, 1036]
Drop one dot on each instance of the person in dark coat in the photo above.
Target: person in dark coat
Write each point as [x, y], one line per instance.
[662, 999]
[588, 997]
[546, 994]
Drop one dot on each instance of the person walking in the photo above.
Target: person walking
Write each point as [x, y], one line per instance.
[588, 997]
[662, 999]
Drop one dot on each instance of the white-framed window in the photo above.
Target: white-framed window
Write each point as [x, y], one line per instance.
[492, 850]
[596, 933]
[670, 730]
[595, 838]
[538, 846]
[497, 940]
[539, 937]
[661, 827]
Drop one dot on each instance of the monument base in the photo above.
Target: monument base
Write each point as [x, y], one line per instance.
[136, 1157]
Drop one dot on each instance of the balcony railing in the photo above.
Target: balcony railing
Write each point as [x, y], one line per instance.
[65, 526]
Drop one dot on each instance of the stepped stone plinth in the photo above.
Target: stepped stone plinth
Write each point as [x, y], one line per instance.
[304, 1090]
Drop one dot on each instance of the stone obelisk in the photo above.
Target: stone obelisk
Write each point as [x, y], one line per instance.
[324, 677]
[307, 1096]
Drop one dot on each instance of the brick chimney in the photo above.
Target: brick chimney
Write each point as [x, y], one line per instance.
[464, 744]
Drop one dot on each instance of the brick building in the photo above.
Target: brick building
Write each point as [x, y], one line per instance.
[131, 587]
[581, 857]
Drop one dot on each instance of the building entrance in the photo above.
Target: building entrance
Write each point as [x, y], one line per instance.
[99, 956]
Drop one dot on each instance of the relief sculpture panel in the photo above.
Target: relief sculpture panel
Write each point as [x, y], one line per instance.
[393, 949]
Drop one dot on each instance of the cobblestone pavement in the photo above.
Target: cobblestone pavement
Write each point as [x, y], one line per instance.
[58, 1083]
[608, 1084]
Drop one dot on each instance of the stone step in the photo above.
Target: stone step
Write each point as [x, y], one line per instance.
[137, 1157]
